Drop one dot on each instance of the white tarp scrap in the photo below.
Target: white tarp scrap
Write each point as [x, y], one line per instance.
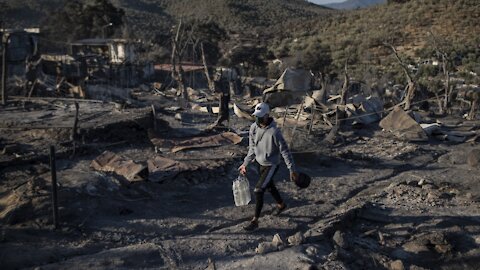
[295, 80]
[242, 113]
[292, 84]
[366, 110]
[431, 128]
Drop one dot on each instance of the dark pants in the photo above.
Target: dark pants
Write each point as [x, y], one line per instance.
[223, 113]
[265, 182]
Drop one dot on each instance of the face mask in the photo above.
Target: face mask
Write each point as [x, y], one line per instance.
[261, 120]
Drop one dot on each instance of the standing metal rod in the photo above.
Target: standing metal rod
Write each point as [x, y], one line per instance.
[74, 135]
[53, 171]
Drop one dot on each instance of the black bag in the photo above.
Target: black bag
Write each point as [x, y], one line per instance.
[303, 180]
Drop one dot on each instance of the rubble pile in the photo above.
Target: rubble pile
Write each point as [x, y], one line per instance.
[144, 180]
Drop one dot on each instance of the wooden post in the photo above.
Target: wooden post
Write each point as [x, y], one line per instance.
[53, 171]
[299, 112]
[154, 112]
[471, 115]
[5, 39]
[75, 123]
[285, 117]
[313, 108]
[74, 134]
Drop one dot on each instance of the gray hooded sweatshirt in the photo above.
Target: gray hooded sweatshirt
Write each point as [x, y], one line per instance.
[266, 145]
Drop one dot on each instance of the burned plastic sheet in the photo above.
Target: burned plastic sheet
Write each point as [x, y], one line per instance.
[291, 86]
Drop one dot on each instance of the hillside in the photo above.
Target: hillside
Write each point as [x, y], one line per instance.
[360, 34]
[146, 17]
[289, 27]
[354, 4]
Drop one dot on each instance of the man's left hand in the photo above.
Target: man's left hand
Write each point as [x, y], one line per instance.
[293, 176]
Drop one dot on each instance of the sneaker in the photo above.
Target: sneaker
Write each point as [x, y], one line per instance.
[251, 226]
[278, 210]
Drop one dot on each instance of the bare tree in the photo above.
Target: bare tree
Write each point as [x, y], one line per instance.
[441, 52]
[339, 114]
[180, 43]
[411, 85]
[211, 84]
[473, 95]
[201, 37]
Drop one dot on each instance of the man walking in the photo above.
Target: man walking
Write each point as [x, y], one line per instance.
[266, 145]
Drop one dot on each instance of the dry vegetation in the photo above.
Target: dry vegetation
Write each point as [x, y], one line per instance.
[289, 28]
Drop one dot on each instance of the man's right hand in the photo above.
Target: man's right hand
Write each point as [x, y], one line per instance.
[242, 169]
[294, 176]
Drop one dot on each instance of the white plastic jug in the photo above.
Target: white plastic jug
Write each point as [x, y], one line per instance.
[241, 191]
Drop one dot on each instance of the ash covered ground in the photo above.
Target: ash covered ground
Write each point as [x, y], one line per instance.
[375, 201]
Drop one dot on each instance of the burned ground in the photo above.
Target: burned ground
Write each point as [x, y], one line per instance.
[375, 202]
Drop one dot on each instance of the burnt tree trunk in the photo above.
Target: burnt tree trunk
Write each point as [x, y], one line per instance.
[448, 92]
[474, 96]
[411, 85]
[211, 85]
[323, 89]
[473, 109]
[178, 75]
[339, 114]
[439, 102]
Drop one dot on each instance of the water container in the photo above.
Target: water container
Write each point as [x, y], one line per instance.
[241, 191]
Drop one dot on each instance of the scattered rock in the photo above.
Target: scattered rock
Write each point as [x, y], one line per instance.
[339, 239]
[425, 244]
[277, 240]
[473, 158]
[311, 251]
[397, 265]
[415, 247]
[412, 183]
[296, 239]
[173, 109]
[265, 247]
[428, 186]
[432, 196]
[211, 265]
[443, 248]
[334, 265]
[381, 238]
[178, 116]
[415, 267]
[423, 182]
